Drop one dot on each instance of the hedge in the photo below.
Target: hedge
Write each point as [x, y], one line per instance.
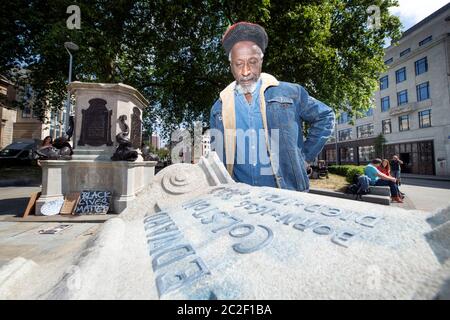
[347, 171]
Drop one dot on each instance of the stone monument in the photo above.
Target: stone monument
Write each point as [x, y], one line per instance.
[99, 109]
[198, 235]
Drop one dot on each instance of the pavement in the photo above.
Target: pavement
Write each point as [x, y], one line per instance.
[24, 240]
[14, 200]
[424, 194]
[425, 177]
[20, 237]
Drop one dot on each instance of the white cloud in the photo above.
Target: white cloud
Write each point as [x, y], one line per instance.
[413, 11]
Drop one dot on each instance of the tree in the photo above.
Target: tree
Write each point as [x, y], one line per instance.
[162, 153]
[171, 50]
[380, 140]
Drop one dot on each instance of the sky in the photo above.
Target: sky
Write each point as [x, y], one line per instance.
[413, 11]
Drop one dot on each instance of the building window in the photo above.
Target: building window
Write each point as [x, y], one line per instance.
[405, 52]
[387, 126]
[384, 83]
[389, 61]
[364, 131]
[421, 66]
[28, 92]
[331, 155]
[400, 75]
[347, 154]
[423, 91]
[403, 123]
[52, 129]
[402, 97]
[52, 124]
[35, 114]
[60, 122]
[26, 112]
[345, 135]
[368, 113]
[385, 104]
[425, 119]
[343, 118]
[366, 153]
[425, 41]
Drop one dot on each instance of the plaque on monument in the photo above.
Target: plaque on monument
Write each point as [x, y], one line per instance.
[96, 124]
[136, 129]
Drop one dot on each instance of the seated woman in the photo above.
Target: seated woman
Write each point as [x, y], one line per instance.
[378, 178]
[46, 143]
[385, 167]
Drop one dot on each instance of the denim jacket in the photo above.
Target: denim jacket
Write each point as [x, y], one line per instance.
[284, 108]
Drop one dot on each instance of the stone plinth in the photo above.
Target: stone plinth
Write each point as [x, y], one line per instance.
[195, 234]
[124, 179]
[98, 107]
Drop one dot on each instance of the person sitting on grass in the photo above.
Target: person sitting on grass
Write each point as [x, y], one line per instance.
[378, 178]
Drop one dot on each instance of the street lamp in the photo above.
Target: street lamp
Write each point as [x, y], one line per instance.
[69, 46]
[336, 142]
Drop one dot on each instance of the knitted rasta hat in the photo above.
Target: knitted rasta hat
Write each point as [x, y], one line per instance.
[245, 31]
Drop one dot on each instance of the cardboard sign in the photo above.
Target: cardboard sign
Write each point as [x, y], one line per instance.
[31, 204]
[70, 202]
[52, 208]
[93, 202]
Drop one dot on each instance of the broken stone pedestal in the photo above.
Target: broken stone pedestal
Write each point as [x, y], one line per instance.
[124, 179]
[196, 234]
[97, 111]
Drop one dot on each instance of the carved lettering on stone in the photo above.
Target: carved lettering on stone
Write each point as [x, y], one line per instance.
[174, 261]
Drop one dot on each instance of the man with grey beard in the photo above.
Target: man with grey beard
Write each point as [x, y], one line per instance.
[256, 125]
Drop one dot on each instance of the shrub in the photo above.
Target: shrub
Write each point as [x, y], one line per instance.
[352, 172]
[347, 171]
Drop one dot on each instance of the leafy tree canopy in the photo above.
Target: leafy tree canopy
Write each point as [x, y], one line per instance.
[171, 50]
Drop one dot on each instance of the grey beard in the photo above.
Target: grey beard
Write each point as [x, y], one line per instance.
[247, 89]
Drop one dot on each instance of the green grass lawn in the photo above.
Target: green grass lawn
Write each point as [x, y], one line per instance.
[334, 182]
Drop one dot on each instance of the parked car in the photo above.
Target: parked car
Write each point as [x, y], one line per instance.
[18, 153]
